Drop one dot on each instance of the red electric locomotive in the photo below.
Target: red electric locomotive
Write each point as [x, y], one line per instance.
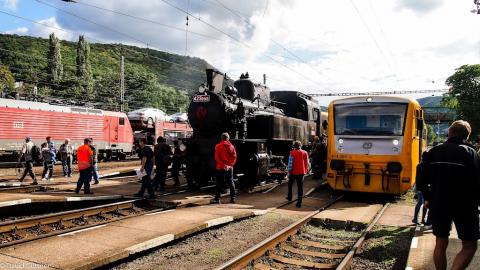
[111, 131]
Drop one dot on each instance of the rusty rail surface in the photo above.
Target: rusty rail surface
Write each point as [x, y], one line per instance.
[48, 219]
[259, 250]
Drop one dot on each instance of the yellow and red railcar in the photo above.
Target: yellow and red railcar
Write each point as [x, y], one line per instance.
[374, 144]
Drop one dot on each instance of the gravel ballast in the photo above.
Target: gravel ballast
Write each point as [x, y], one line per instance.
[211, 248]
[386, 248]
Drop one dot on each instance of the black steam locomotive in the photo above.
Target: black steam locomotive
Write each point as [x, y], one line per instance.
[262, 125]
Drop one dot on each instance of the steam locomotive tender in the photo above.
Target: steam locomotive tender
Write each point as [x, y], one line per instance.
[262, 125]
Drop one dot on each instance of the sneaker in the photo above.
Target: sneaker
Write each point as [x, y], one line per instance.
[44, 179]
[77, 191]
[215, 201]
[298, 205]
[415, 222]
[89, 193]
[288, 199]
[232, 200]
[34, 183]
[96, 182]
[138, 195]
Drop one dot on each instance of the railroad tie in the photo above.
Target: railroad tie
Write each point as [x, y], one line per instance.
[319, 245]
[302, 263]
[332, 256]
[261, 266]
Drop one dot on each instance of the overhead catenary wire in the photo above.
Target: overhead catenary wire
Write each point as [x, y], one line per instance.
[149, 21]
[237, 40]
[146, 43]
[372, 36]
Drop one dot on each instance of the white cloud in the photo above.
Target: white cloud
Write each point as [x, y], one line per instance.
[10, 4]
[399, 45]
[48, 26]
[18, 31]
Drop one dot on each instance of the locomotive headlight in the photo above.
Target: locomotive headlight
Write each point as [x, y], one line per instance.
[395, 142]
[340, 141]
[202, 88]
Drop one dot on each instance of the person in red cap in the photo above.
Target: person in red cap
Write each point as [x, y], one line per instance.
[225, 158]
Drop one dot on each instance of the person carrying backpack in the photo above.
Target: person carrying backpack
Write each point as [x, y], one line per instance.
[28, 153]
[48, 161]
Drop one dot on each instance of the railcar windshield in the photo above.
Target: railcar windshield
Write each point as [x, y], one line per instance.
[376, 119]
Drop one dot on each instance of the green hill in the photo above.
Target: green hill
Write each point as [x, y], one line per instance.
[152, 78]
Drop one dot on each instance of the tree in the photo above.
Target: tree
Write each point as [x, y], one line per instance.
[464, 95]
[84, 69]
[431, 135]
[54, 67]
[7, 82]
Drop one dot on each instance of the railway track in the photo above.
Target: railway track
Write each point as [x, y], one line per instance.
[27, 229]
[305, 245]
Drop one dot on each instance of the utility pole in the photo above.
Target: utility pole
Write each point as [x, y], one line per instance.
[122, 85]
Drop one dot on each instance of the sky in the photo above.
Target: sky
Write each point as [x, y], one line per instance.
[310, 46]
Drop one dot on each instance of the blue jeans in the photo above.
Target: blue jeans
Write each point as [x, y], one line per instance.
[147, 182]
[84, 179]
[47, 169]
[420, 202]
[67, 166]
[95, 172]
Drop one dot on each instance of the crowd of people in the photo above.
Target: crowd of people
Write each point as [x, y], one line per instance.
[47, 154]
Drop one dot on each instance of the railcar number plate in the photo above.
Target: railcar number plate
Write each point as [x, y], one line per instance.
[201, 98]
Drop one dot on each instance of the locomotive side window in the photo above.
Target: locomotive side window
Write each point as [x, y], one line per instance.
[315, 114]
[121, 121]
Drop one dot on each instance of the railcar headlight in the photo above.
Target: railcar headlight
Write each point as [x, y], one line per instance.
[340, 141]
[395, 149]
[395, 142]
[340, 149]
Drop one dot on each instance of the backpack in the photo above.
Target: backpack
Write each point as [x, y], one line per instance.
[36, 153]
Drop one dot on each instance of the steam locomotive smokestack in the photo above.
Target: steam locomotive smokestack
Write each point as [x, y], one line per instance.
[264, 79]
[214, 80]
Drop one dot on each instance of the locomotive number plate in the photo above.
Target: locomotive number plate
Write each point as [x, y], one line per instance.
[201, 98]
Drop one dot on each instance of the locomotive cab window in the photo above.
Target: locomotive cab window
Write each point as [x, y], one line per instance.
[121, 121]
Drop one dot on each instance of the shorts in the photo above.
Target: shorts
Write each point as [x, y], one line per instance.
[466, 222]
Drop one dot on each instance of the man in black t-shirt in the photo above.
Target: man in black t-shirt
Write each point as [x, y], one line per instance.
[145, 154]
[451, 186]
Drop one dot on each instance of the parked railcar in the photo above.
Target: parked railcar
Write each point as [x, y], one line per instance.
[375, 144]
[111, 131]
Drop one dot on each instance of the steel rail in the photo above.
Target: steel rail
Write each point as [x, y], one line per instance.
[347, 260]
[9, 226]
[270, 243]
[261, 248]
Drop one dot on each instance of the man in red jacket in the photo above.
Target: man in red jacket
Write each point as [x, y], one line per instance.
[297, 168]
[225, 157]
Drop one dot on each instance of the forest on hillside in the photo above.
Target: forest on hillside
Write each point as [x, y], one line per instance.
[83, 73]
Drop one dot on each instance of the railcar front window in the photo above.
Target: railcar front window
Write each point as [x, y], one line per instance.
[377, 119]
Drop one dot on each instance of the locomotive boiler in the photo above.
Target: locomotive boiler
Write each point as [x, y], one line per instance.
[261, 123]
